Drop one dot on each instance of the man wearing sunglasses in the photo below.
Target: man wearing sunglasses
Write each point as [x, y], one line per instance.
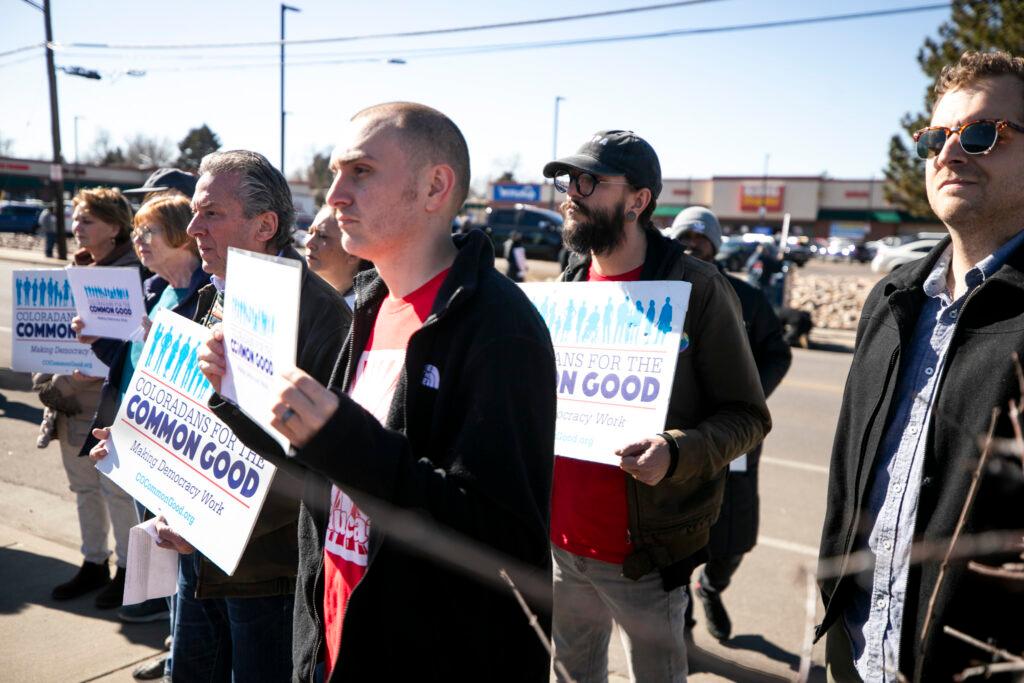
[626, 539]
[935, 357]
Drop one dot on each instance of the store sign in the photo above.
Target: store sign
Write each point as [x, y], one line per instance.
[516, 193]
[754, 196]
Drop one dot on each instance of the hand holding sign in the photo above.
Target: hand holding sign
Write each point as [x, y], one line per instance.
[211, 357]
[78, 326]
[303, 407]
[647, 460]
[99, 451]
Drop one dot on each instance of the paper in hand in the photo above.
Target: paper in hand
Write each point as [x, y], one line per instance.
[152, 571]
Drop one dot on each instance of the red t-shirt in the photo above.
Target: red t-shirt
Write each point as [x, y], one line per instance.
[377, 374]
[588, 499]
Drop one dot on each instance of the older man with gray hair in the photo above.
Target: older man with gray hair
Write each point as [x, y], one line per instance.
[239, 627]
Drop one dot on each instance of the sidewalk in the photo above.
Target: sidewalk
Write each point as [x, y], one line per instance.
[45, 640]
[33, 257]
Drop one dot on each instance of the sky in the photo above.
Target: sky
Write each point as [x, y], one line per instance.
[815, 99]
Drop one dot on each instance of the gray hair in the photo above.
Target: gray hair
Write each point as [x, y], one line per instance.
[261, 187]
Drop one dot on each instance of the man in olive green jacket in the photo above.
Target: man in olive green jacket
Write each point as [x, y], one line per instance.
[626, 539]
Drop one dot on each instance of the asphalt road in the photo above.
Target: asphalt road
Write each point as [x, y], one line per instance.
[39, 541]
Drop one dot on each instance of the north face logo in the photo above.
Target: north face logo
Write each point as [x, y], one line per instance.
[431, 377]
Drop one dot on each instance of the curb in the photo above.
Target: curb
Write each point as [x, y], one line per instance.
[26, 256]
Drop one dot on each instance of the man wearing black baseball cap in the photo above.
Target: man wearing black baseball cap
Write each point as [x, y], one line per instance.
[625, 539]
[166, 180]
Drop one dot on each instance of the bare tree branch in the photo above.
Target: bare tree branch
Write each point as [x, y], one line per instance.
[1013, 574]
[988, 669]
[535, 625]
[808, 646]
[998, 652]
[968, 504]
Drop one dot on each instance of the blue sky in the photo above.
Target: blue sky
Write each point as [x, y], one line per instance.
[821, 98]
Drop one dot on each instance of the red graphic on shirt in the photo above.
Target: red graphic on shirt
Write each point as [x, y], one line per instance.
[346, 545]
[589, 516]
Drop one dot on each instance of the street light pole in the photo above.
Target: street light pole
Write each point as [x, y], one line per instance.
[764, 191]
[554, 148]
[76, 139]
[284, 8]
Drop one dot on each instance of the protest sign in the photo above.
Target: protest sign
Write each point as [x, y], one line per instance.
[41, 336]
[261, 326]
[169, 452]
[616, 345]
[108, 300]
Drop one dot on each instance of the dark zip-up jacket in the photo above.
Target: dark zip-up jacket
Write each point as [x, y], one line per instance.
[716, 412]
[469, 446]
[269, 564]
[114, 352]
[979, 377]
[735, 532]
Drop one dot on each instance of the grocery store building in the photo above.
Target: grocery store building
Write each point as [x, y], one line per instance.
[818, 206]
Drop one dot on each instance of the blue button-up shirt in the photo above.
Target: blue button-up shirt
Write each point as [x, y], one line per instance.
[875, 616]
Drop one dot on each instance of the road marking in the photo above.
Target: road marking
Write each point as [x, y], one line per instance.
[814, 386]
[796, 465]
[789, 546]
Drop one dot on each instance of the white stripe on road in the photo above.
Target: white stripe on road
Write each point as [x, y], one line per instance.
[789, 546]
[814, 386]
[796, 465]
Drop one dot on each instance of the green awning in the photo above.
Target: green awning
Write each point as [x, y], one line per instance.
[860, 215]
[667, 211]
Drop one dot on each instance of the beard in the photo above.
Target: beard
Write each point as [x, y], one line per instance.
[591, 230]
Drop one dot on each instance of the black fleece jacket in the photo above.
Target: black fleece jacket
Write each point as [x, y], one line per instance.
[979, 377]
[467, 447]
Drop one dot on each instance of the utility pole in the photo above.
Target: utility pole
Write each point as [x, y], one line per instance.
[554, 149]
[56, 169]
[284, 8]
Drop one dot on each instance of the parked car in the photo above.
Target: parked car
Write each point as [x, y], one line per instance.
[20, 216]
[734, 254]
[797, 251]
[889, 259]
[540, 229]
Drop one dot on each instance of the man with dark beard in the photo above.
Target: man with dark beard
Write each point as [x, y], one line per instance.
[625, 539]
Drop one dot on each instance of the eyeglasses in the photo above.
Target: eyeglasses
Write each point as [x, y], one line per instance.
[145, 233]
[975, 137]
[585, 183]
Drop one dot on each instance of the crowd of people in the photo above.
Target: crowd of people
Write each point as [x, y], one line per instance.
[424, 391]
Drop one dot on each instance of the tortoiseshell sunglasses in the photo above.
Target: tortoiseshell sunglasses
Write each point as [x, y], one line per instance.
[975, 137]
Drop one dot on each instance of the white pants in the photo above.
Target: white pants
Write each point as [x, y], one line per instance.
[590, 594]
[100, 501]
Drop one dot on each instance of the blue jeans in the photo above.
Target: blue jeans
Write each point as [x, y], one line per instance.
[229, 639]
[589, 595]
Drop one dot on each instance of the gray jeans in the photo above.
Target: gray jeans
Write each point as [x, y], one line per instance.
[589, 595]
[101, 504]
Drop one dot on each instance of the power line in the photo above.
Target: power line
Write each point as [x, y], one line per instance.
[24, 48]
[376, 36]
[440, 52]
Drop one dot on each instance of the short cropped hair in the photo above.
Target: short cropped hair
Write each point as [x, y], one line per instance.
[261, 187]
[433, 139]
[173, 212]
[976, 66]
[108, 205]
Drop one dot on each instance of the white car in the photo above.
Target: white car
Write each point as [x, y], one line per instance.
[889, 259]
